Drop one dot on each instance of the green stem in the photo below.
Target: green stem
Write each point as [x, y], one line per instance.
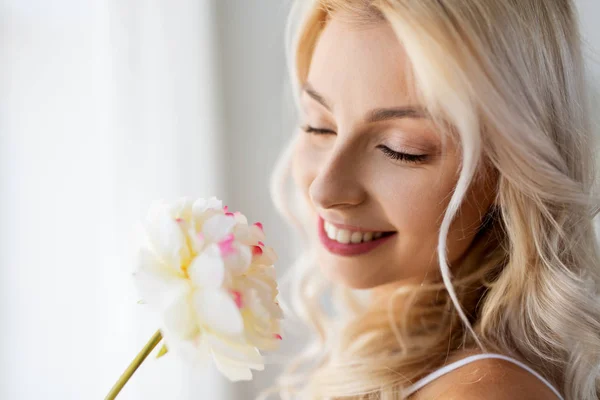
[137, 361]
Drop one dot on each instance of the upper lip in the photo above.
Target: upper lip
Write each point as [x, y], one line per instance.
[352, 227]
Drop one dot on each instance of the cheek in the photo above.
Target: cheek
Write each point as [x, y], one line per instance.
[305, 164]
[414, 200]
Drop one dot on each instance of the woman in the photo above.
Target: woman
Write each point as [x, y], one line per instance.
[444, 165]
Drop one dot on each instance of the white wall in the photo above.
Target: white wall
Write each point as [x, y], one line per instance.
[589, 11]
[104, 107]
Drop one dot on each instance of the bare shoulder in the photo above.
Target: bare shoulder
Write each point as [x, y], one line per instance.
[488, 378]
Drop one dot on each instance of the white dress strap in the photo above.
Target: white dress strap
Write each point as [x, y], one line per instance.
[457, 364]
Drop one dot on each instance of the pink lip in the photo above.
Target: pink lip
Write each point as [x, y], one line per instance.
[350, 249]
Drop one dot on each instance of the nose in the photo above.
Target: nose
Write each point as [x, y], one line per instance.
[338, 182]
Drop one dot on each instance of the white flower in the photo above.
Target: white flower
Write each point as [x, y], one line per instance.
[212, 280]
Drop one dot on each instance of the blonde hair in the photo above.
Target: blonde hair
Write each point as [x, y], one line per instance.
[509, 76]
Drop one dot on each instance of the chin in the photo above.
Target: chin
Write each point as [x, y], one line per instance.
[352, 274]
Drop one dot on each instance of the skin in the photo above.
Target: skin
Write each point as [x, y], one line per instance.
[347, 178]
[493, 379]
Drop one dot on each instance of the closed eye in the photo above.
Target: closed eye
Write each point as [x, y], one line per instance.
[317, 131]
[396, 155]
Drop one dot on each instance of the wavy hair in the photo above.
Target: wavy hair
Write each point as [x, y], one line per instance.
[509, 77]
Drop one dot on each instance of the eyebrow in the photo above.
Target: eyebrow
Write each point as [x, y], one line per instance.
[375, 115]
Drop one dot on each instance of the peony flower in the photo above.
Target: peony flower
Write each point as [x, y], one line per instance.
[211, 279]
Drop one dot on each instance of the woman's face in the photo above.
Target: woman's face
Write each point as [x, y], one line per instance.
[376, 164]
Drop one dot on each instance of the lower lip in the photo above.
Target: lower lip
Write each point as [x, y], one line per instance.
[350, 249]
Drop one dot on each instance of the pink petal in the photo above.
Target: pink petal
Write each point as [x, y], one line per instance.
[259, 225]
[237, 297]
[257, 233]
[277, 336]
[261, 243]
[256, 251]
[268, 257]
[226, 245]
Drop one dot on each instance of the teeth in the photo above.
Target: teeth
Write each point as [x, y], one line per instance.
[345, 236]
[356, 237]
[331, 231]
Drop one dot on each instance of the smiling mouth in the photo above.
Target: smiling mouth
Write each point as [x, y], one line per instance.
[344, 247]
[346, 236]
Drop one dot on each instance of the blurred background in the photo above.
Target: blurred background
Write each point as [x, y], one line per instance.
[106, 106]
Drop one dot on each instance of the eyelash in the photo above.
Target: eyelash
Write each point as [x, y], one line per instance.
[412, 158]
[395, 155]
[317, 131]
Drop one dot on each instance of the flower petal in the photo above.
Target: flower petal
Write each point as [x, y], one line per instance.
[217, 227]
[217, 310]
[235, 359]
[231, 371]
[257, 233]
[239, 261]
[158, 285]
[270, 342]
[182, 208]
[260, 283]
[196, 239]
[268, 257]
[207, 270]
[240, 218]
[244, 235]
[202, 205]
[166, 238]
[262, 316]
[193, 351]
[264, 339]
[179, 317]
[148, 261]
[238, 353]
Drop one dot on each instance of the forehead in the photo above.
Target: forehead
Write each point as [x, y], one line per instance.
[360, 67]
